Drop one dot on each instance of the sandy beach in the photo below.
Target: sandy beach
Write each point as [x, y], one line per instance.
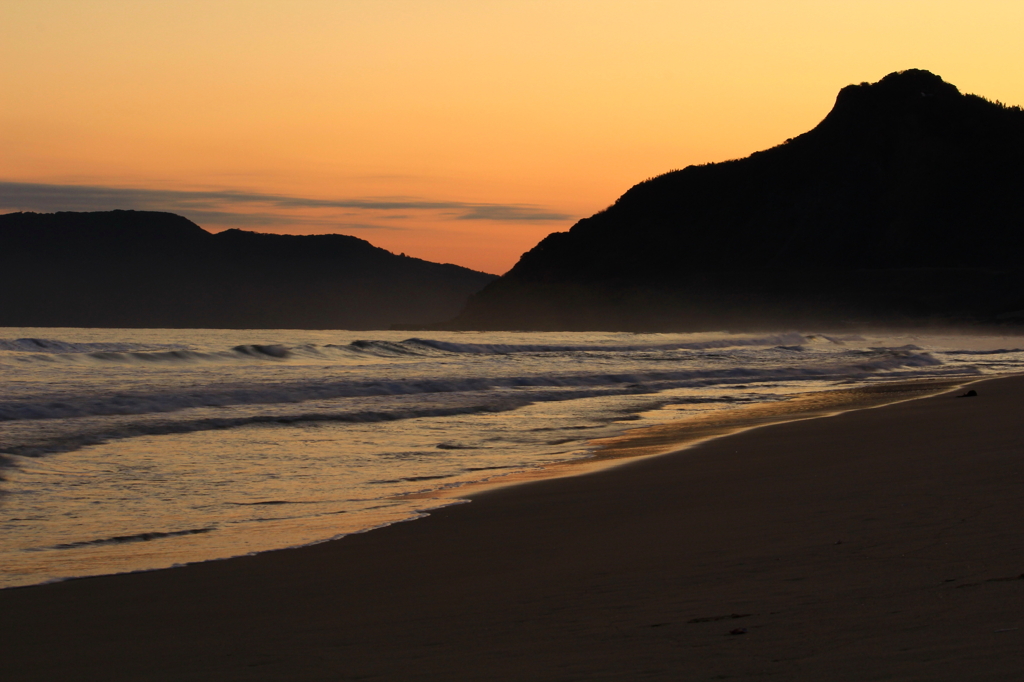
[882, 543]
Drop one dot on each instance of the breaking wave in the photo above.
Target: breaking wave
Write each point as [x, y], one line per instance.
[49, 350]
[791, 338]
[256, 394]
[479, 395]
[54, 346]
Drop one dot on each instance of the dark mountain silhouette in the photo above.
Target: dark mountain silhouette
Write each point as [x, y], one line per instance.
[904, 205]
[147, 269]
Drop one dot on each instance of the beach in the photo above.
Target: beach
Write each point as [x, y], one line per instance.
[875, 544]
[126, 450]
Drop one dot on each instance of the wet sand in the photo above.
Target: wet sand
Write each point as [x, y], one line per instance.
[875, 544]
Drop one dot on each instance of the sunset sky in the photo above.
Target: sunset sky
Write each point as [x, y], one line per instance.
[456, 131]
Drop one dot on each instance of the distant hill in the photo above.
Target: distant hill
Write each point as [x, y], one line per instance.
[148, 269]
[905, 205]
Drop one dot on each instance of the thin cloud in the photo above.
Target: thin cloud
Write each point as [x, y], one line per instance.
[513, 213]
[253, 220]
[215, 206]
[230, 219]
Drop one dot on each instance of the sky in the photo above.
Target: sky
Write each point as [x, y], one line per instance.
[459, 131]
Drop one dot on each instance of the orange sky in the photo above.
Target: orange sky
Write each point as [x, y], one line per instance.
[457, 131]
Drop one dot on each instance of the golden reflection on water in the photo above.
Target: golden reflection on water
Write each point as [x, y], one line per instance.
[702, 425]
[156, 501]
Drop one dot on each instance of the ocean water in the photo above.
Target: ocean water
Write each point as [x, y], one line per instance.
[125, 450]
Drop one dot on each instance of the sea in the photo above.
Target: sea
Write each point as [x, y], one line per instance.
[137, 449]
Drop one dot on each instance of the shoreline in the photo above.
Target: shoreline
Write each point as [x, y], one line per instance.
[634, 443]
[905, 534]
[672, 437]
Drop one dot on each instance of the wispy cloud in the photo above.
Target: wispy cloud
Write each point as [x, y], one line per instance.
[269, 220]
[229, 207]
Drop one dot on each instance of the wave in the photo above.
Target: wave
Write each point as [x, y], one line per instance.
[122, 539]
[1001, 351]
[569, 388]
[257, 394]
[838, 340]
[790, 338]
[134, 430]
[151, 357]
[51, 350]
[68, 443]
[54, 346]
[390, 349]
[261, 351]
[493, 405]
[126, 353]
[245, 352]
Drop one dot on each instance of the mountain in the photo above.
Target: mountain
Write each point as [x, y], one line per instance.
[905, 205]
[149, 269]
